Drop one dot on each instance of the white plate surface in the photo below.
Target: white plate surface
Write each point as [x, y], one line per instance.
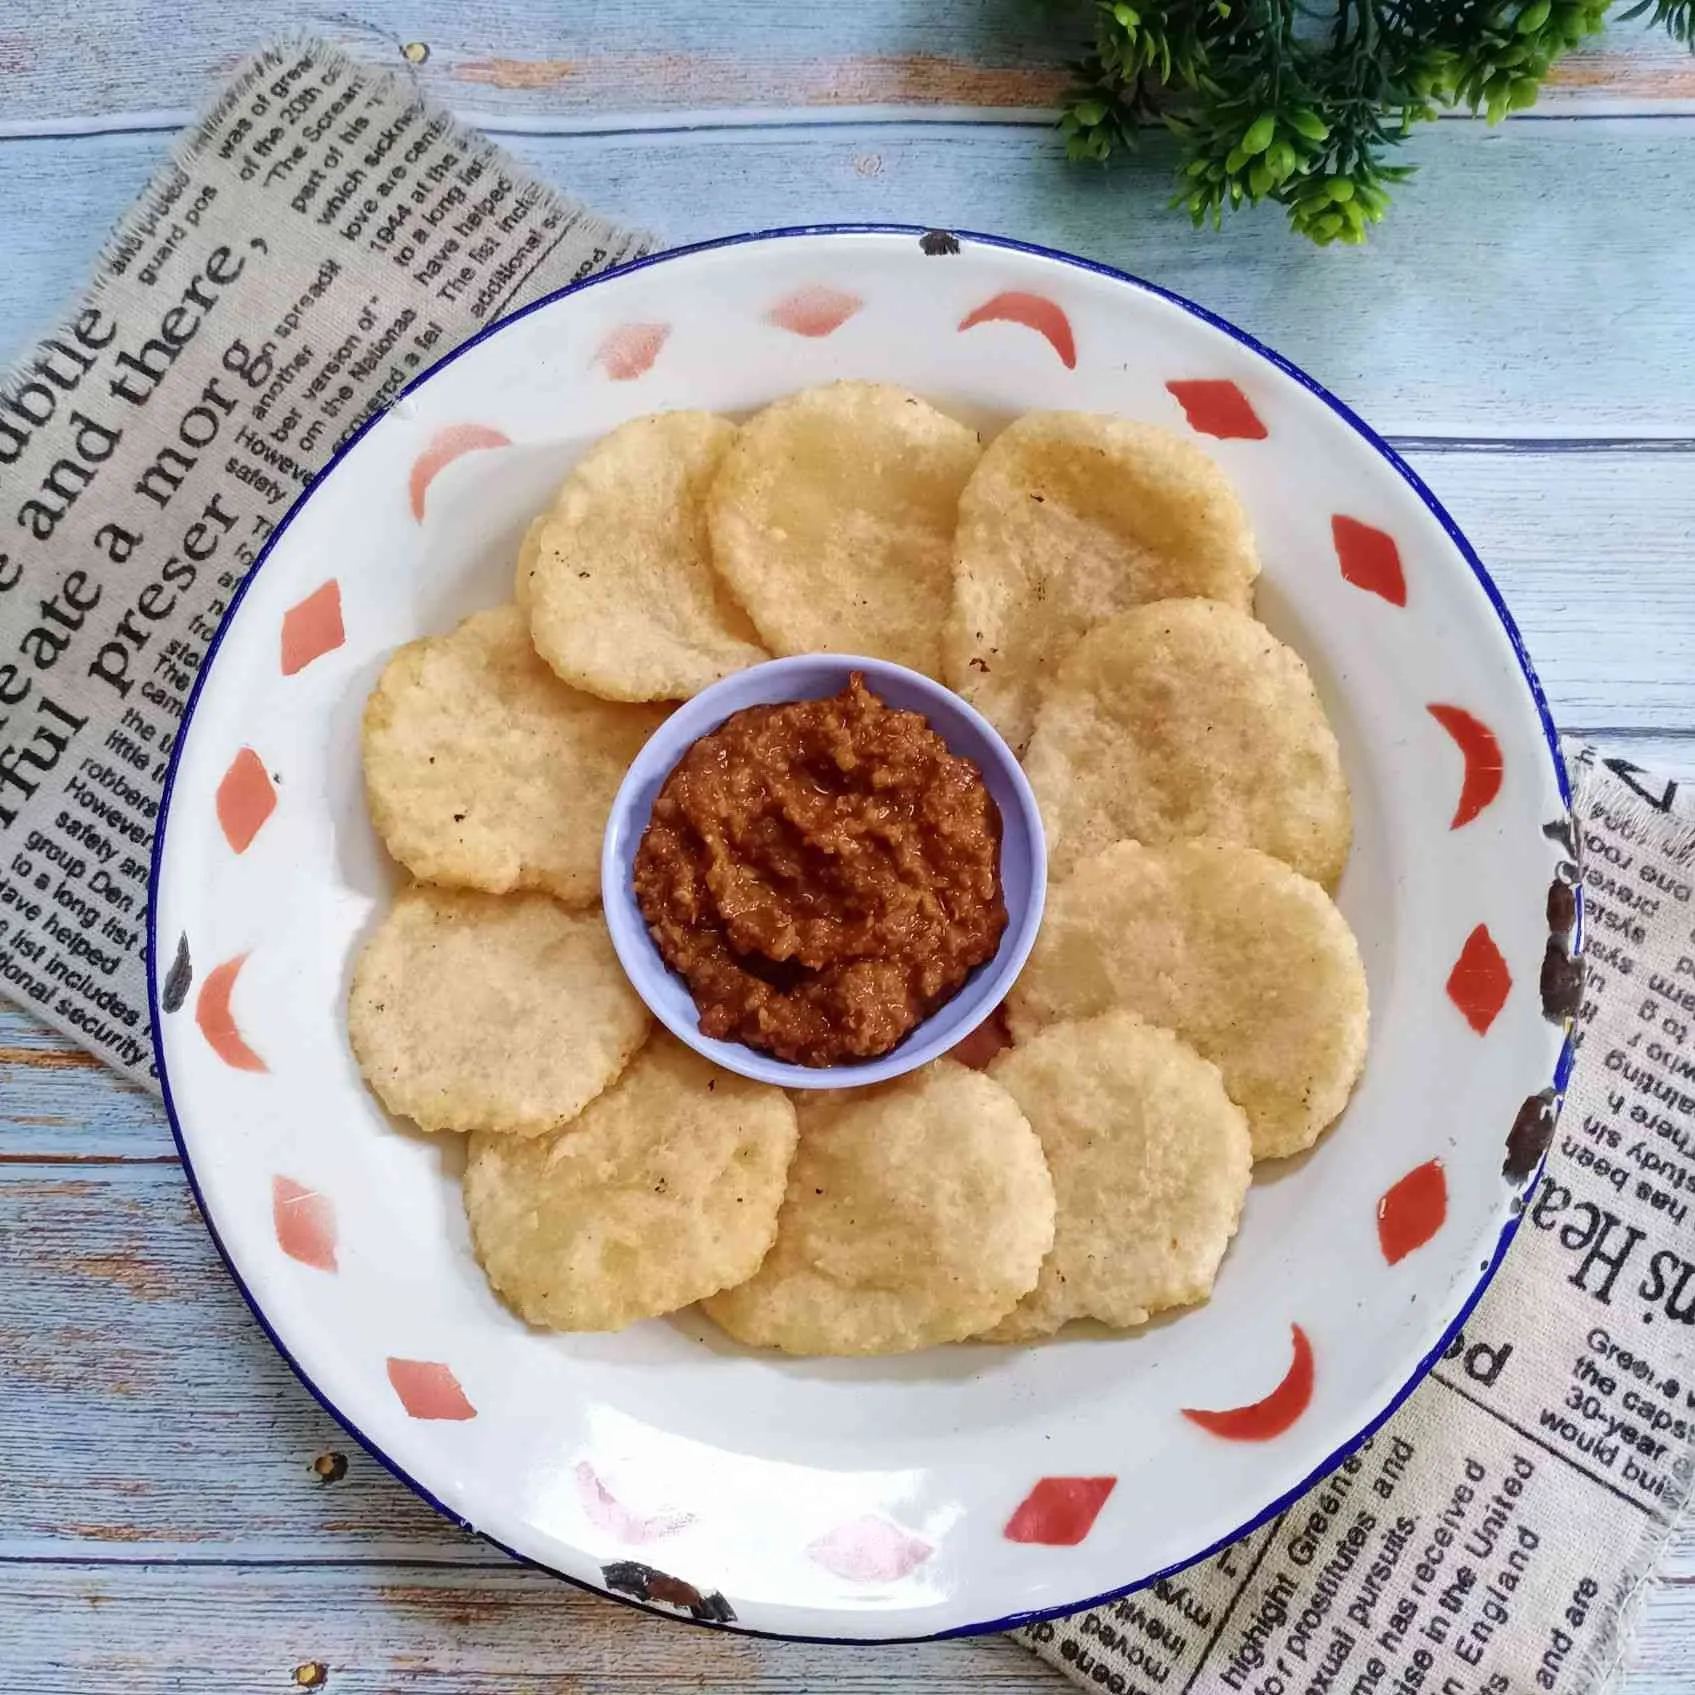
[955, 1489]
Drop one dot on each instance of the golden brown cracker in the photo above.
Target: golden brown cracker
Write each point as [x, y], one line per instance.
[1069, 518]
[1248, 961]
[481, 1012]
[832, 521]
[622, 596]
[663, 1190]
[1187, 718]
[1150, 1161]
[484, 771]
[917, 1212]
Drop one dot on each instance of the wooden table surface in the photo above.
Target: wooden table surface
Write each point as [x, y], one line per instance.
[175, 1514]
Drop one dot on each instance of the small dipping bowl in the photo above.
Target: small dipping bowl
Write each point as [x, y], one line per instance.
[815, 676]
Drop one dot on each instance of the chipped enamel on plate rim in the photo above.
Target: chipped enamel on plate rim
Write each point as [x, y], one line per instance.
[954, 1490]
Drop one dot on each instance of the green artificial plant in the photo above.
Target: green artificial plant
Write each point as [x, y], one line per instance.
[1302, 105]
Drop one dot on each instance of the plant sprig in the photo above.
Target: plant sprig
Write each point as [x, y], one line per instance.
[1284, 101]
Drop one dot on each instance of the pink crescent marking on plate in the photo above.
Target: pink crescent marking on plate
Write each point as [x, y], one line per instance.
[305, 1223]
[1484, 764]
[630, 350]
[312, 627]
[870, 1550]
[1035, 312]
[1261, 1420]
[1480, 981]
[443, 448]
[217, 1022]
[429, 1390]
[816, 310]
[606, 1512]
[245, 799]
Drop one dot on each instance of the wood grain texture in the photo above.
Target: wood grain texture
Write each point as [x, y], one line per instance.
[57, 1101]
[1592, 553]
[1537, 281]
[1419, 331]
[126, 1341]
[375, 1631]
[514, 1632]
[119, 1324]
[1670, 756]
[161, 1458]
[1556, 528]
[527, 58]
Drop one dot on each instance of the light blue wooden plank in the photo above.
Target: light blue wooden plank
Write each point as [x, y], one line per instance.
[1662, 1652]
[148, 1420]
[58, 201]
[144, 1410]
[188, 1631]
[528, 57]
[1535, 279]
[108, 1326]
[70, 1631]
[539, 54]
[1660, 755]
[57, 1101]
[1593, 553]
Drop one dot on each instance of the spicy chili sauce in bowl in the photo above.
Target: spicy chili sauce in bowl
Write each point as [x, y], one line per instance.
[824, 871]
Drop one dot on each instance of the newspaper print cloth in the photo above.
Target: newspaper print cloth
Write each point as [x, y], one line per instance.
[319, 240]
[1490, 1539]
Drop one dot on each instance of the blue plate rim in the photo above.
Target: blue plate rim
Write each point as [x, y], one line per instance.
[1527, 671]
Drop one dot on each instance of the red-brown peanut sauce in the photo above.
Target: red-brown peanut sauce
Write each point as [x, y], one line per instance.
[823, 874]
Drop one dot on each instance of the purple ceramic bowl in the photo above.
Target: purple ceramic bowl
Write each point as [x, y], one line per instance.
[813, 676]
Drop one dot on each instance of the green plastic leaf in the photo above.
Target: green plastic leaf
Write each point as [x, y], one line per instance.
[1265, 108]
[1261, 133]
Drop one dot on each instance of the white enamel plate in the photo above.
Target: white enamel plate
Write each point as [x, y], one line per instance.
[953, 1490]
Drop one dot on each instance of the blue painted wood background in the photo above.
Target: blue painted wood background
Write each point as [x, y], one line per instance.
[1524, 327]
